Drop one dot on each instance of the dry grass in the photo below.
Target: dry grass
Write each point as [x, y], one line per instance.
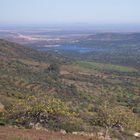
[34, 63]
[69, 69]
[7, 133]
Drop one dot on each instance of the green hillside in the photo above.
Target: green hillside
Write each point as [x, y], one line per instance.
[60, 94]
[107, 67]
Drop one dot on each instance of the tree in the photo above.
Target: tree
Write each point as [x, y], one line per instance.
[53, 68]
[109, 116]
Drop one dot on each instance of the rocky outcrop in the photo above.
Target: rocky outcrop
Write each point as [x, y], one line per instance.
[37, 126]
[63, 131]
[137, 135]
[83, 134]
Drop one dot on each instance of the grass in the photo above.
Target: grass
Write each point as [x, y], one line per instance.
[13, 138]
[101, 66]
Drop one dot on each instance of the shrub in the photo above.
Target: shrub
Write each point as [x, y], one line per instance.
[37, 110]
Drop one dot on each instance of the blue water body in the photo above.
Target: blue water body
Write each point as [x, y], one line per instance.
[70, 48]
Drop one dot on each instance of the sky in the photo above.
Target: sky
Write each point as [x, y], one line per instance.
[69, 11]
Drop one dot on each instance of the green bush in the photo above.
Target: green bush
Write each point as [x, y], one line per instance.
[13, 138]
[67, 126]
[2, 122]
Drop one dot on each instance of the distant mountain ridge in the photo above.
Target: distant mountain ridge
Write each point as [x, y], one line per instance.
[115, 36]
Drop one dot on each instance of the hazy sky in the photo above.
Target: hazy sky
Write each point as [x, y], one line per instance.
[69, 11]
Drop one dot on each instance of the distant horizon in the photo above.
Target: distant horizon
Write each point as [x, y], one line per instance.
[79, 26]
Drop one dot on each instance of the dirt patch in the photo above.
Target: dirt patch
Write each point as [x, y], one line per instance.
[31, 134]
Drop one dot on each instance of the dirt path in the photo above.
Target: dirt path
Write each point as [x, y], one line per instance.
[7, 133]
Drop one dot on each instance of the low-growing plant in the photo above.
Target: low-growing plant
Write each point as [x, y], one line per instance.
[14, 138]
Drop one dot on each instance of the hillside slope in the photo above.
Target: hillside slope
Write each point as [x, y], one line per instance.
[59, 94]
